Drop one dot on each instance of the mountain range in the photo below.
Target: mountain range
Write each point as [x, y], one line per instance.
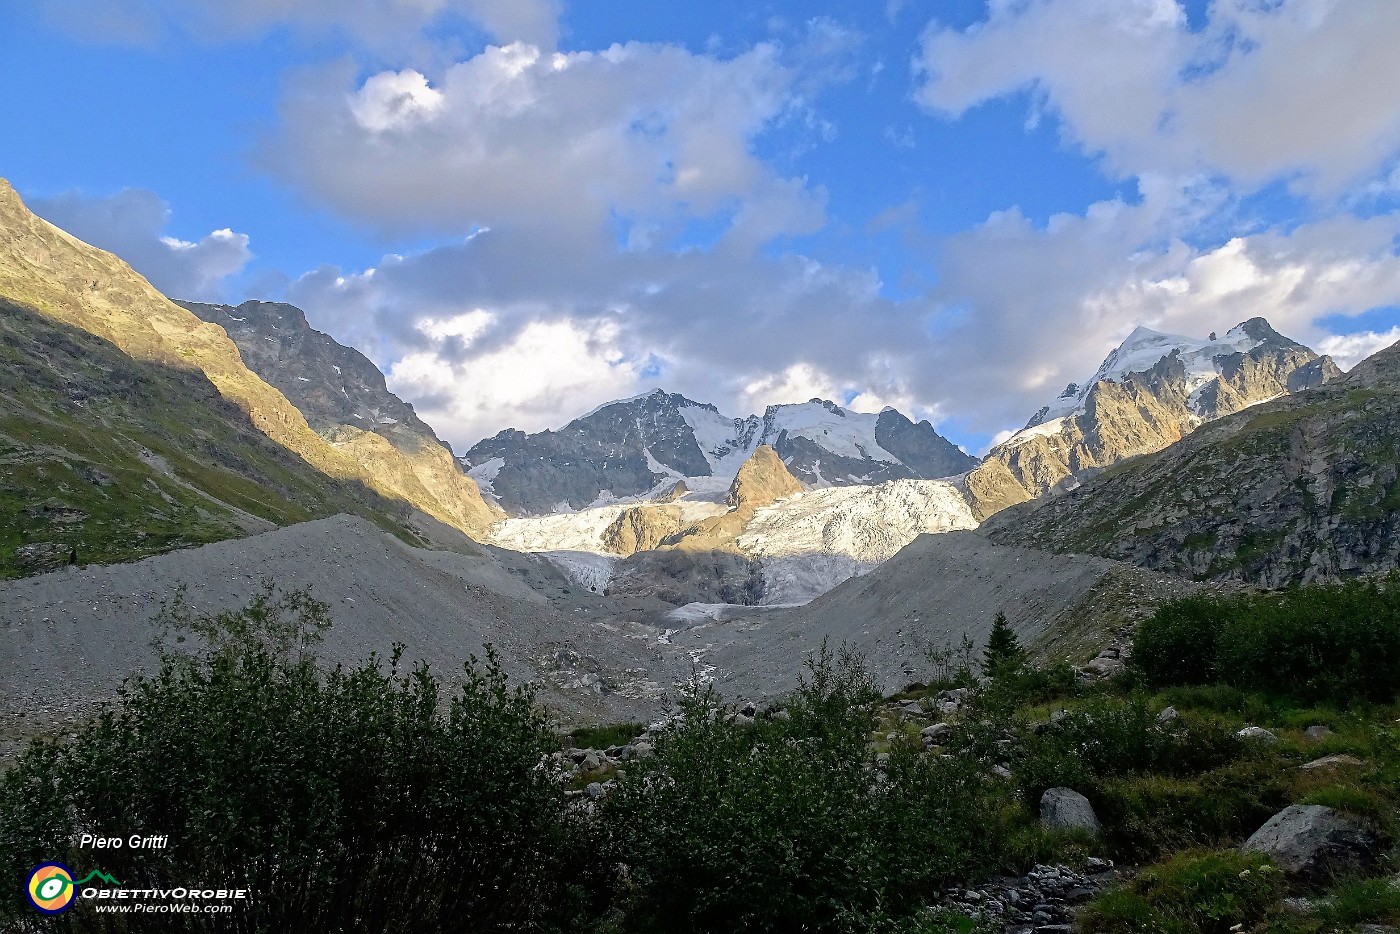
[640, 448]
[652, 533]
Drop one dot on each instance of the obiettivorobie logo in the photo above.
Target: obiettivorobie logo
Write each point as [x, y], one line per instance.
[51, 887]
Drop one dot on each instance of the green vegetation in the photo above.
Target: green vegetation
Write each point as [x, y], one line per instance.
[601, 737]
[368, 799]
[782, 825]
[1191, 892]
[1003, 651]
[355, 799]
[1337, 642]
[104, 458]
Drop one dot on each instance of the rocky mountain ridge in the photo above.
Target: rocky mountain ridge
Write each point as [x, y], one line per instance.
[129, 426]
[343, 396]
[640, 448]
[1150, 392]
[1301, 488]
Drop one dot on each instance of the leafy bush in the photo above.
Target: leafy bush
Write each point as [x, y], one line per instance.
[1338, 642]
[787, 825]
[343, 800]
[1147, 816]
[1110, 737]
[601, 737]
[1191, 893]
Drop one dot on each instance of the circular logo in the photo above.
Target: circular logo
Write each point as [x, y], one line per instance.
[50, 888]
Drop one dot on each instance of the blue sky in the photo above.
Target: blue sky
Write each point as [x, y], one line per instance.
[522, 208]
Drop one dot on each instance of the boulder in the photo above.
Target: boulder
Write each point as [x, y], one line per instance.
[1258, 734]
[1066, 809]
[1317, 732]
[937, 732]
[1330, 762]
[1168, 714]
[1313, 842]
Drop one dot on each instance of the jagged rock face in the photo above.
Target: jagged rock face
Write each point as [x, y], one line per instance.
[1303, 488]
[610, 450]
[762, 480]
[1150, 392]
[197, 446]
[344, 399]
[641, 447]
[329, 383]
[641, 528]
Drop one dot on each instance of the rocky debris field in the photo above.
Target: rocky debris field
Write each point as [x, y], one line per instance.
[1043, 901]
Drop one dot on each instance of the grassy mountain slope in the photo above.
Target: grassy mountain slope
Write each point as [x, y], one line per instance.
[1306, 487]
[129, 427]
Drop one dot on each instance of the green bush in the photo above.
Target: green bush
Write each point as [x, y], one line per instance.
[1332, 642]
[1109, 737]
[1177, 644]
[1147, 816]
[786, 824]
[1191, 893]
[344, 800]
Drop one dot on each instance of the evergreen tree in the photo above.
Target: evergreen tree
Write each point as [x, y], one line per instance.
[1003, 651]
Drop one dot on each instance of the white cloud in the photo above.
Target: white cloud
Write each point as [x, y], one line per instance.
[130, 224]
[632, 134]
[1285, 89]
[1034, 308]
[546, 374]
[1350, 349]
[381, 25]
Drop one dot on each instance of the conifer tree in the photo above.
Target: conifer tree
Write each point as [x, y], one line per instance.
[1003, 651]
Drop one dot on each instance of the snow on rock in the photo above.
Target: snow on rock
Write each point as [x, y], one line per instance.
[842, 432]
[866, 523]
[1140, 352]
[565, 531]
[586, 569]
[483, 474]
[580, 531]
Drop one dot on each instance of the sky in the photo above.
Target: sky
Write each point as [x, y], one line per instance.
[520, 209]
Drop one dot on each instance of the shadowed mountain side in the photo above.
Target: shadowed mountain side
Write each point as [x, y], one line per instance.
[1303, 488]
[72, 635]
[929, 594]
[71, 283]
[107, 458]
[344, 398]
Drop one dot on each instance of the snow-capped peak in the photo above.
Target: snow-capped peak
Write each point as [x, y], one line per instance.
[1144, 348]
[629, 400]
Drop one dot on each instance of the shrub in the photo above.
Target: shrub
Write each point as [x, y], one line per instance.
[1211, 892]
[1176, 645]
[786, 825]
[1337, 642]
[1110, 737]
[343, 800]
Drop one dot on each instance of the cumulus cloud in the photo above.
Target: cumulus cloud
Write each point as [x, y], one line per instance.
[1293, 89]
[549, 372]
[130, 224]
[1037, 307]
[1020, 310]
[382, 25]
[633, 136]
[1350, 349]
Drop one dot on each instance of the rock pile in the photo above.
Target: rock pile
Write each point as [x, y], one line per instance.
[1043, 901]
